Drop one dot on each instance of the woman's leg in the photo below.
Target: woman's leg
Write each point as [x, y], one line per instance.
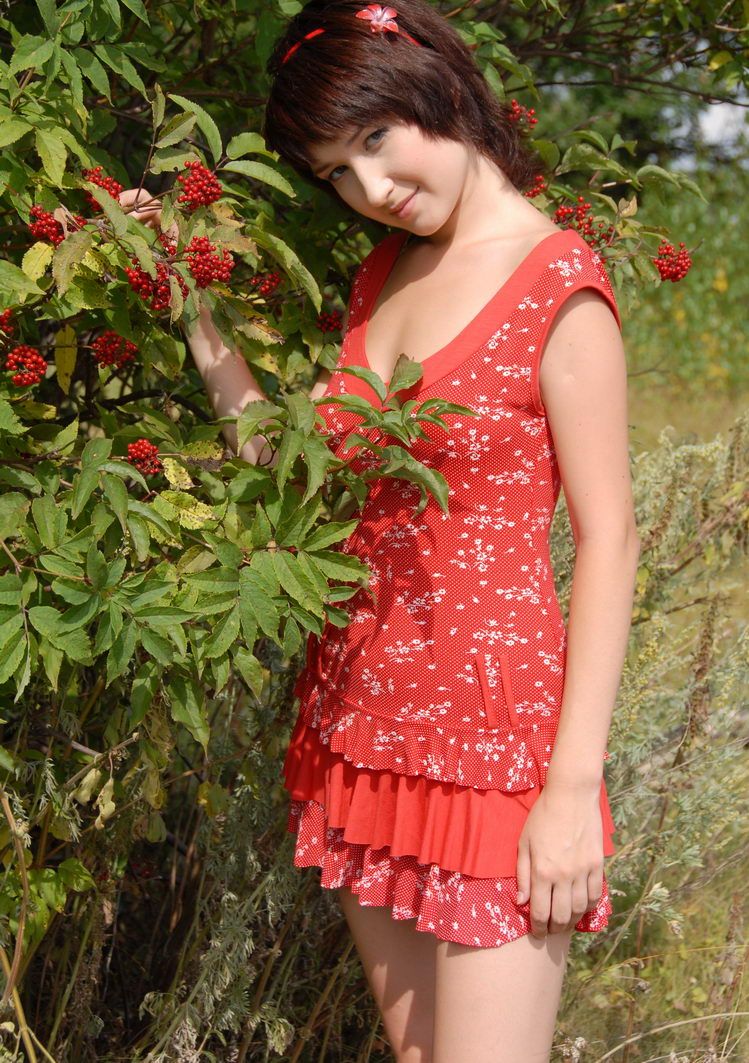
[399, 963]
[498, 1005]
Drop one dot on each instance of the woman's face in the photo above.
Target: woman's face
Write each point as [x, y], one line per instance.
[378, 167]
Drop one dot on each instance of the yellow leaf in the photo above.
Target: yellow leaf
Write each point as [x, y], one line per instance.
[176, 474]
[66, 352]
[36, 259]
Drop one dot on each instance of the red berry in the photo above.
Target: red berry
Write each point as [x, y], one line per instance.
[143, 455]
[111, 349]
[329, 322]
[46, 227]
[266, 283]
[30, 364]
[109, 184]
[156, 292]
[578, 218]
[169, 245]
[205, 264]
[672, 265]
[201, 187]
[524, 116]
[539, 186]
[6, 325]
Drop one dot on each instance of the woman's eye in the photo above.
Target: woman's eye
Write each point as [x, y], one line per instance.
[382, 130]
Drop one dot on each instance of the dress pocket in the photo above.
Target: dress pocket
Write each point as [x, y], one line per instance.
[496, 687]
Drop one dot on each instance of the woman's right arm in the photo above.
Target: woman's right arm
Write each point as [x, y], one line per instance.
[227, 377]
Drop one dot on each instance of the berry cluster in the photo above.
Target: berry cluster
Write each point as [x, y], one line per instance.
[46, 227]
[578, 218]
[266, 283]
[672, 264]
[524, 116]
[97, 177]
[28, 365]
[143, 455]
[205, 264]
[156, 292]
[329, 322]
[201, 187]
[539, 186]
[6, 325]
[111, 349]
[169, 245]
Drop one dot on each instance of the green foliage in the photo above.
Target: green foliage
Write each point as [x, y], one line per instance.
[149, 635]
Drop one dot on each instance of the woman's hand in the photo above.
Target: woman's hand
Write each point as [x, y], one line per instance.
[560, 858]
[146, 208]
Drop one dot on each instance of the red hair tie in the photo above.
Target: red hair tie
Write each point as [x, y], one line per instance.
[380, 18]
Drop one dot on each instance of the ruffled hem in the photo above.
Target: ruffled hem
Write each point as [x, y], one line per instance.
[453, 906]
[489, 759]
[456, 827]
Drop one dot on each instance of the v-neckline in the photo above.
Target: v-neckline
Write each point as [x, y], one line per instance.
[477, 330]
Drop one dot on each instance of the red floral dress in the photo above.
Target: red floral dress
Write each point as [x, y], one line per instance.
[426, 725]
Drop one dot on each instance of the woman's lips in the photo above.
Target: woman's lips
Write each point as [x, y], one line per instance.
[405, 209]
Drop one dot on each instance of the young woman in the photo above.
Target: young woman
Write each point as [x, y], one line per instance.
[446, 766]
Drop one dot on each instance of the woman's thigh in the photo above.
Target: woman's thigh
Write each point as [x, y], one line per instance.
[498, 1005]
[399, 962]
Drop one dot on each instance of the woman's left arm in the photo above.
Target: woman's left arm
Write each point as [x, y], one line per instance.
[583, 384]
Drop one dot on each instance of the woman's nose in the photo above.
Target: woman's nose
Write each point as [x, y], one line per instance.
[377, 189]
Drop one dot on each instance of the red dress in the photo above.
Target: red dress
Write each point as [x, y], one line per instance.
[426, 725]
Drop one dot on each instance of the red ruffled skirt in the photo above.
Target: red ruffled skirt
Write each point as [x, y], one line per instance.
[437, 852]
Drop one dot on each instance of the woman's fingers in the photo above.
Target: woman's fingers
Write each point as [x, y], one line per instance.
[146, 208]
[540, 906]
[595, 888]
[142, 204]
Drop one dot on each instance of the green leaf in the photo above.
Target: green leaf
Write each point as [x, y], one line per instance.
[247, 144]
[30, 52]
[301, 411]
[68, 255]
[289, 450]
[317, 457]
[49, 16]
[176, 130]
[121, 652]
[93, 71]
[15, 284]
[111, 207]
[13, 509]
[332, 532]
[137, 8]
[116, 60]
[295, 582]
[206, 123]
[253, 415]
[74, 875]
[11, 130]
[260, 171]
[258, 609]
[116, 494]
[289, 260]
[250, 669]
[158, 105]
[340, 566]
[187, 705]
[224, 635]
[75, 81]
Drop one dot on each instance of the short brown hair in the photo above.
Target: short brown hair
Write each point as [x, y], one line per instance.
[349, 77]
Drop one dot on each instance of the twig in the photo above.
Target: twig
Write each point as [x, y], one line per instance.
[12, 973]
[20, 1015]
